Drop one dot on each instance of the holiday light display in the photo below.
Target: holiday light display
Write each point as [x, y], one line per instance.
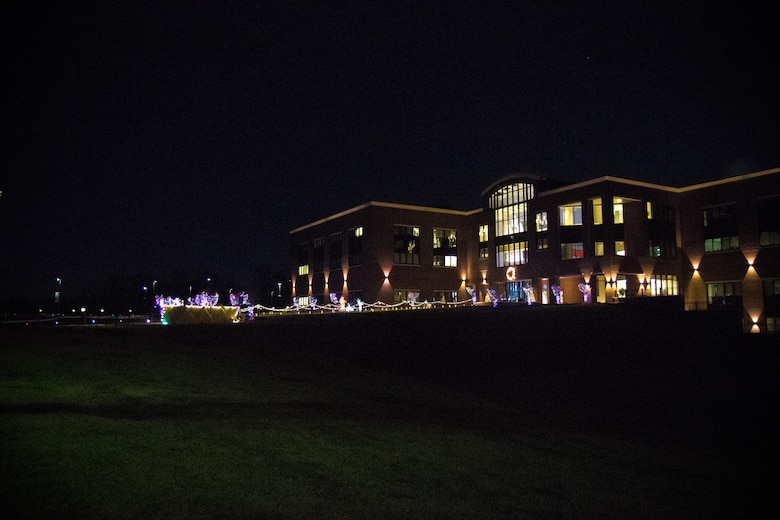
[203, 308]
[174, 309]
[529, 294]
[585, 290]
[558, 292]
[473, 294]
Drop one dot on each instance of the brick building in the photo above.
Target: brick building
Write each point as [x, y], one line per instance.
[534, 240]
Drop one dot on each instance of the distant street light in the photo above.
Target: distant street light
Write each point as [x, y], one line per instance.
[57, 294]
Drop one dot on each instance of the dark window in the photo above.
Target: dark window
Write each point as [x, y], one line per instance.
[406, 245]
[769, 221]
[662, 249]
[356, 246]
[318, 255]
[334, 251]
[720, 228]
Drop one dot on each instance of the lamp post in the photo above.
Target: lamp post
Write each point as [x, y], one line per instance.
[57, 294]
[154, 308]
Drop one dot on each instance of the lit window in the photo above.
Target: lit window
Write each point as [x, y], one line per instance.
[406, 295]
[541, 221]
[541, 243]
[484, 251]
[572, 250]
[445, 247]
[598, 248]
[597, 216]
[483, 233]
[570, 214]
[406, 248]
[511, 194]
[355, 246]
[620, 248]
[663, 285]
[721, 244]
[509, 203]
[512, 254]
[511, 220]
[617, 210]
[303, 269]
[770, 238]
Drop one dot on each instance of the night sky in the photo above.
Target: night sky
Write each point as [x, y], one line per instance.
[162, 139]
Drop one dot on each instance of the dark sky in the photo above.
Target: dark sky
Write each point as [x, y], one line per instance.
[148, 137]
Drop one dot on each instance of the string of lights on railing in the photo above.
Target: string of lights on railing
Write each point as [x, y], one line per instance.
[247, 311]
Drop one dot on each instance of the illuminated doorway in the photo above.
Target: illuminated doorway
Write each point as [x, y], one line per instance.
[515, 292]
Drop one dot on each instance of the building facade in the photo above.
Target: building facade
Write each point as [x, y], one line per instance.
[534, 240]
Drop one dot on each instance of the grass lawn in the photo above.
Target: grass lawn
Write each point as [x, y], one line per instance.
[467, 413]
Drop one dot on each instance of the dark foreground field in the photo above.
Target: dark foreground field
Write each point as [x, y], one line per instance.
[556, 412]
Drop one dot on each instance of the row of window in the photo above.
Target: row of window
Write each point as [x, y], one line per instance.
[511, 218]
[406, 246]
[335, 251]
[516, 253]
[571, 214]
[720, 226]
[406, 249]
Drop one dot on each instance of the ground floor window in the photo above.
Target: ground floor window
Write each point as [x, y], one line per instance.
[724, 294]
[663, 285]
[621, 286]
[721, 244]
[772, 304]
[445, 296]
[773, 324]
[515, 292]
[403, 295]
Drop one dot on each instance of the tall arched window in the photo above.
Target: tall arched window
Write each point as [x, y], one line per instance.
[510, 205]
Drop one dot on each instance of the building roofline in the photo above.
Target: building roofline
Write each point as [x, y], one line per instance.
[606, 178]
[672, 189]
[610, 178]
[727, 180]
[507, 178]
[385, 205]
